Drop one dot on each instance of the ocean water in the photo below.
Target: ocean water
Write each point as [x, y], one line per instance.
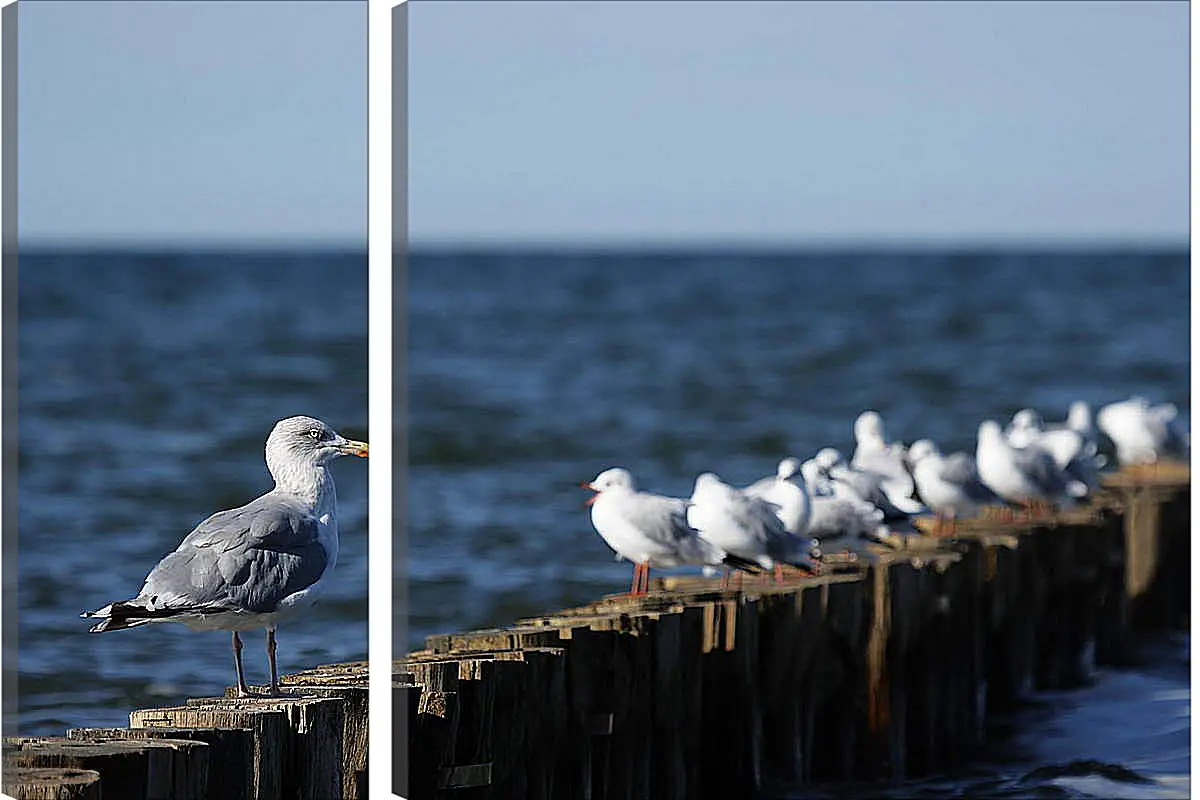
[1125, 736]
[148, 383]
[529, 372]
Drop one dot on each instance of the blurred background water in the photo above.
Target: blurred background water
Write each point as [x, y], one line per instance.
[148, 383]
[531, 371]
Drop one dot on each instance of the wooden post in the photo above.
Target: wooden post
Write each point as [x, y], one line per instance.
[348, 684]
[297, 742]
[164, 769]
[49, 783]
[231, 753]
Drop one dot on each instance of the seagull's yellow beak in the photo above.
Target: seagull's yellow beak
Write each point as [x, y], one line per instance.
[353, 448]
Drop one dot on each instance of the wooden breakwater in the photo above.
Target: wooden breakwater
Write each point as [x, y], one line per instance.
[885, 671]
[311, 746]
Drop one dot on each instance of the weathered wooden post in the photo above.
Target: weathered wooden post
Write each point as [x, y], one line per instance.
[48, 783]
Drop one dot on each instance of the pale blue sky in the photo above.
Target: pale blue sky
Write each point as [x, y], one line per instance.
[193, 122]
[798, 122]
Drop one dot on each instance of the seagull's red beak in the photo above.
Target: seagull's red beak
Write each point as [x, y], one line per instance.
[592, 499]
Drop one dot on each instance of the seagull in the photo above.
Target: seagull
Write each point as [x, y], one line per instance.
[1072, 445]
[747, 527]
[1024, 429]
[949, 485]
[869, 485]
[793, 505]
[873, 453]
[1142, 433]
[1079, 419]
[837, 510]
[649, 529]
[253, 566]
[1022, 475]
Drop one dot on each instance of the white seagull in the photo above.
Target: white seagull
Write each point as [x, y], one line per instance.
[747, 527]
[873, 453]
[949, 485]
[1021, 475]
[1142, 433]
[793, 505]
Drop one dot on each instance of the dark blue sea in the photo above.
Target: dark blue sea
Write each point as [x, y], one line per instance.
[148, 383]
[531, 371]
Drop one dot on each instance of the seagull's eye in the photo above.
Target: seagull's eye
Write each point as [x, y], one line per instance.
[315, 433]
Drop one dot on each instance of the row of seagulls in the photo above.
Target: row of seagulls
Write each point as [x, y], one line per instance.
[769, 523]
[1142, 433]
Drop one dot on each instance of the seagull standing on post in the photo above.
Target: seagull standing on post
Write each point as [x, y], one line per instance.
[253, 566]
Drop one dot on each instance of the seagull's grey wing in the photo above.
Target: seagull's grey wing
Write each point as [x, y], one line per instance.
[756, 516]
[864, 484]
[836, 516]
[1039, 467]
[760, 517]
[247, 559]
[960, 470]
[664, 520]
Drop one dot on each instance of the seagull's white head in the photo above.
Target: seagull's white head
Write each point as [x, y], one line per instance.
[1027, 420]
[788, 468]
[811, 471]
[610, 480]
[1079, 417]
[708, 487]
[307, 441]
[868, 427]
[989, 432]
[921, 449]
[827, 457]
